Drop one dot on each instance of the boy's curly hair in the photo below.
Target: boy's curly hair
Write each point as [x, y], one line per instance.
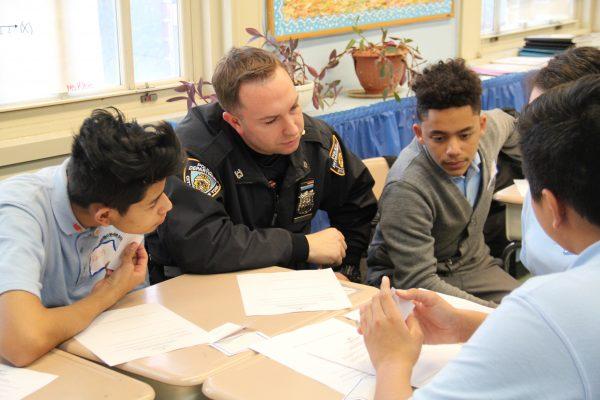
[447, 84]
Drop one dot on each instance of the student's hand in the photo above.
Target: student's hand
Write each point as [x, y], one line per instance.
[391, 342]
[440, 322]
[130, 274]
[327, 247]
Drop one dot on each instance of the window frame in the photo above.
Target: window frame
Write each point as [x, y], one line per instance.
[39, 135]
[126, 67]
[496, 23]
[478, 48]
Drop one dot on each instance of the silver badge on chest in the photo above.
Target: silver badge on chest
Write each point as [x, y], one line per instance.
[306, 200]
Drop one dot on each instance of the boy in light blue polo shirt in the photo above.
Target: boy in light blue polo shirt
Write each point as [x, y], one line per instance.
[60, 229]
[542, 342]
[540, 254]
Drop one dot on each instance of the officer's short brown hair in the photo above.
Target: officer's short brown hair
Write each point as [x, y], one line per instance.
[240, 65]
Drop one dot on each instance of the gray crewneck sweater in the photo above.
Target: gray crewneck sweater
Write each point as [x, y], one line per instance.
[426, 225]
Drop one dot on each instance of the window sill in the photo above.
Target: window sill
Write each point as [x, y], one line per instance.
[84, 99]
[35, 147]
[509, 45]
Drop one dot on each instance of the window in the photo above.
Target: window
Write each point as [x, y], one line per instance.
[155, 37]
[508, 16]
[63, 49]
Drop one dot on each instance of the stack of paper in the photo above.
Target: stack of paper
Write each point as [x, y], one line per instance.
[292, 349]
[333, 353]
[127, 334]
[287, 292]
[537, 62]
[16, 383]
[239, 342]
[231, 339]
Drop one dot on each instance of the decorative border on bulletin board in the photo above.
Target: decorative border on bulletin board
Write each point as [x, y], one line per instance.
[309, 18]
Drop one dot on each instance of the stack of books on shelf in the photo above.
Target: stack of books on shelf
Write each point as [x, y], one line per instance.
[546, 45]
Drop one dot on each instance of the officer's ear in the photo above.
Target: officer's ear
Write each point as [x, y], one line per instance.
[234, 122]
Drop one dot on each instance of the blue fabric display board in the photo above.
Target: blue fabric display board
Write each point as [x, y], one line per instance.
[385, 128]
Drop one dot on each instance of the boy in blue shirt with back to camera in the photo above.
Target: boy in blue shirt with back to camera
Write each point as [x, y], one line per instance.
[541, 342]
[540, 254]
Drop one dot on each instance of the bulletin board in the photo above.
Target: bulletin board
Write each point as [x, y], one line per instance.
[310, 18]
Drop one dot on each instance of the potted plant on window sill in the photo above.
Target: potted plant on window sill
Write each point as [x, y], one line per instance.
[382, 66]
[193, 91]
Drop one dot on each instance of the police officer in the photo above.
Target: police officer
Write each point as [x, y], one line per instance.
[257, 171]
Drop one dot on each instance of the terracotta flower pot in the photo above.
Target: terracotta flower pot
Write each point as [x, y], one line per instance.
[368, 70]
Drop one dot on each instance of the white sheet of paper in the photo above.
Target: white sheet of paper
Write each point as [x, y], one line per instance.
[534, 61]
[333, 353]
[349, 290]
[431, 360]
[522, 186]
[127, 334]
[128, 238]
[291, 350]
[465, 304]
[405, 306]
[502, 68]
[354, 315]
[287, 292]
[340, 343]
[239, 343]
[364, 390]
[17, 383]
[220, 332]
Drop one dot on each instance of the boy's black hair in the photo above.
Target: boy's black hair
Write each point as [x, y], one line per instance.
[567, 67]
[445, 85]
[113, 162]
[560, 138]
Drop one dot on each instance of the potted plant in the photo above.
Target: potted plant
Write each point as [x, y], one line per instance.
[193, 90]
[381, 66]
[306, 78]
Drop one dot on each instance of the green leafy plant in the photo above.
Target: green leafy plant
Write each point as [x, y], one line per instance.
[385, 47]
[193, 91]
[324, 93]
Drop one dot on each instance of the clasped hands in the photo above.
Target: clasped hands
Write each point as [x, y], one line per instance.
[395, 343]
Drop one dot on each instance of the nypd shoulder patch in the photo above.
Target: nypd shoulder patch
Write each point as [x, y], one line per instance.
[196, 175]
[337, 158]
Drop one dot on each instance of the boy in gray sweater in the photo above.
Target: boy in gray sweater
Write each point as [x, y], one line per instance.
[438, 192]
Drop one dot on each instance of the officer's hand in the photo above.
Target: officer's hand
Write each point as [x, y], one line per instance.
[327, 247]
